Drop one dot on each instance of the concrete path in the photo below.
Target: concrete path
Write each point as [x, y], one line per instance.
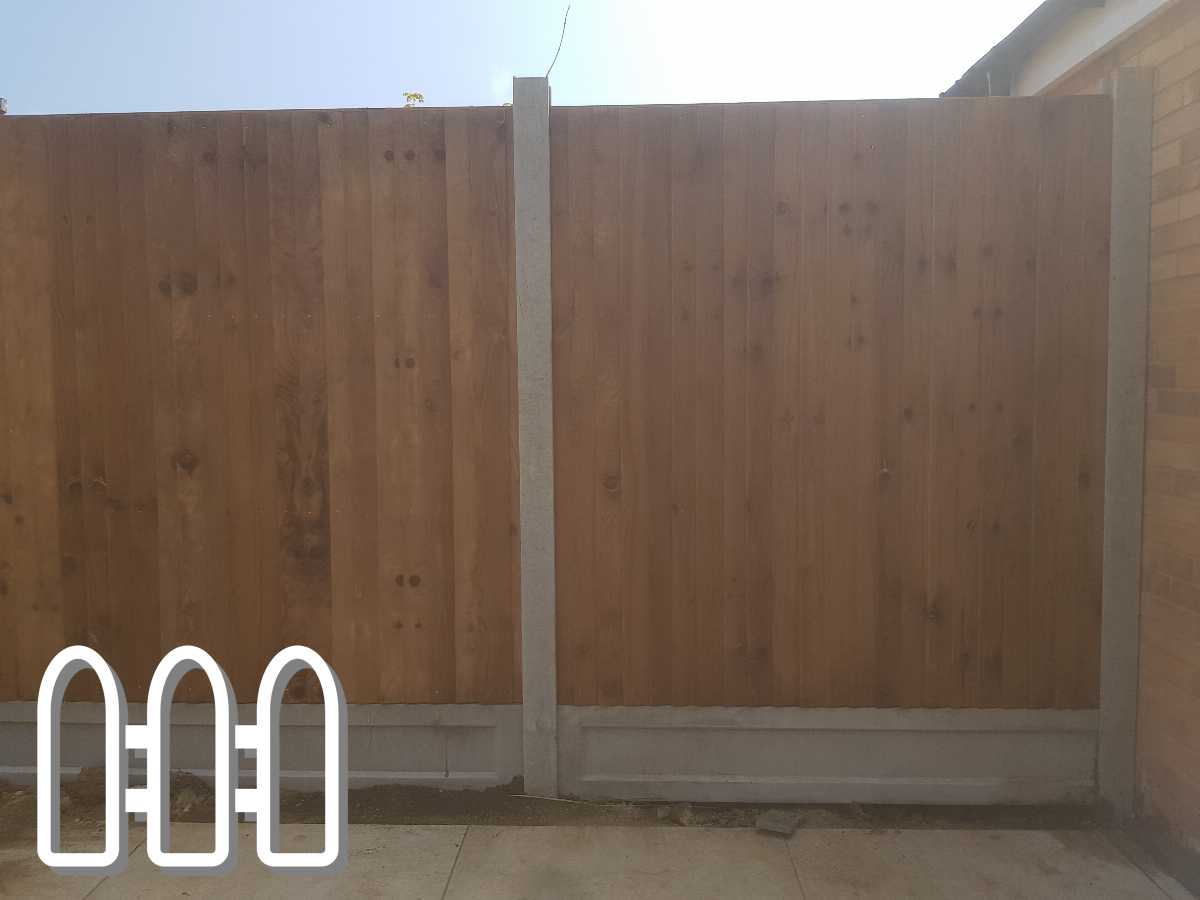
[459, 862]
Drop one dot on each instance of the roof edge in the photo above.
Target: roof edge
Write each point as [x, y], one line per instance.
[992, 75]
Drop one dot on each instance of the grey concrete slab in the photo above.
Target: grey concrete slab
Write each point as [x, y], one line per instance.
[629, 863]
[789, 755]
[401, 861]
[440, 745]
[955, 865]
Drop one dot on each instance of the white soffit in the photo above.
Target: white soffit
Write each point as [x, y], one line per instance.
[1089, 33]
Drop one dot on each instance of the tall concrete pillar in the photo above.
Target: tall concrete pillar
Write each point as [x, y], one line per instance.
[1128, 299]
[539, 684]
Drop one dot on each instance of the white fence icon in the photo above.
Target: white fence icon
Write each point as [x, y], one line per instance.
[154, 737]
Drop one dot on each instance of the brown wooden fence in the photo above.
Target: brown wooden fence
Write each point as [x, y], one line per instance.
[829, 402]
[829, 399]
[258, 389]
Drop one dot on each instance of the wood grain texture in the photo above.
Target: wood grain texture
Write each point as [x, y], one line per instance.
[829, 402]
[248, 401]
[828, 399]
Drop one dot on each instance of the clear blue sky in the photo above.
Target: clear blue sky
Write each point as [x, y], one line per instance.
[60, 56]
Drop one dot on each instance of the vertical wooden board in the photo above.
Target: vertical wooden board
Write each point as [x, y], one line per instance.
[409, 277]
[212, 418]
[818, 458]
[141, 620]
[633, 618]
[570, 545]
[109, 301]
[783, 352]
[736, 161]
[916, 474]
[235, 313]
[301, 394]
[887, 219]
[762, 301]
[160, 187]
[864, 453]
[9, 676]
[1016, 392]
[608, 487]
[478, 207]
[493, 157]
[637, 616]
[465, 388]
[948, 536]
[503, 251]
[29, 558]
[1091, 316]
[9, 615]
[653, 263]
[683, 655]
[1006, 401]
[91, 390]
[514, 450]
[1051, 649]
[362, 387]
[967, 320]
[575, 439]
[647, 389]
[287, 401]
[425, 289]
[179, 367]
[286, 387]
[350, 363]
[66, 391]
[982, 133]
[193, 469]
[398, 639]
[709, 286]
[260, 641]
[45, 638]
[842, 500]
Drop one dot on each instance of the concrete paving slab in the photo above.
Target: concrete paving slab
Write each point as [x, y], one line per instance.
[22, 875]
[629, 863]
[401, 861]
[1140, 857]
[888, 865]
[638, 862]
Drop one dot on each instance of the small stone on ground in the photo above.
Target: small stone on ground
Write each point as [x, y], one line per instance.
[681, 813]
[778, 821]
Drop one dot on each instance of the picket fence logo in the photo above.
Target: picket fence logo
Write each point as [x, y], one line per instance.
[154, 737]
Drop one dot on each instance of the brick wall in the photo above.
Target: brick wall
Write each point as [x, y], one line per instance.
[1169, 703]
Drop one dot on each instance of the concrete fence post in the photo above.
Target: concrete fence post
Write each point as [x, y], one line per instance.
[539, 684]
[1133, 95]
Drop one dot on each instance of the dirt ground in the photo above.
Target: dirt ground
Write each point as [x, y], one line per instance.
[191, 801]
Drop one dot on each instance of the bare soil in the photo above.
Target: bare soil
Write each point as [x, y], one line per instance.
[192, 801]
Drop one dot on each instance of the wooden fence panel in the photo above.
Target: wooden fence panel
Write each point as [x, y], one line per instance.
[258, 388]
[829, 399]
[829, 402]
